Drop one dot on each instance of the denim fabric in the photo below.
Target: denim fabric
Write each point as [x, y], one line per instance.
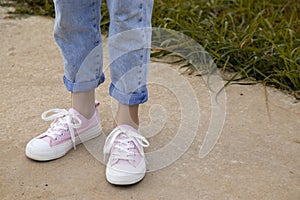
[78, 35]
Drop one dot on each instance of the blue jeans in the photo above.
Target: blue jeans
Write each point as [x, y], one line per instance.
[77, 33]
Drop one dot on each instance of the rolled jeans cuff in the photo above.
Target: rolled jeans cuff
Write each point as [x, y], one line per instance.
[134, 98]
[83, 86]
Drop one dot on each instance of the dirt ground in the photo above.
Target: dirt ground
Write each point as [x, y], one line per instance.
[257, 155]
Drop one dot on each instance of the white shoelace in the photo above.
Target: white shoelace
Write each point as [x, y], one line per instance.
[124, 144]
[61, 117]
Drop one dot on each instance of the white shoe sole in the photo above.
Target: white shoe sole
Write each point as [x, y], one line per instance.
[118, 181]
[123, 177]
[62, 149]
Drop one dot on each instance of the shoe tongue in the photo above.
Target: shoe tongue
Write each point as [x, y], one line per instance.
[122, 137]
[127, 127]
[74, 112]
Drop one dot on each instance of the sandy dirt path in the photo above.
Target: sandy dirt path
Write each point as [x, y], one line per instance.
[256, 157]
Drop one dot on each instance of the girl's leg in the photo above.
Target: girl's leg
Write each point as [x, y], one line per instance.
[77, 33]
[129, 50]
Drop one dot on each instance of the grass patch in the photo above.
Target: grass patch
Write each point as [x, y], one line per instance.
[253, 38]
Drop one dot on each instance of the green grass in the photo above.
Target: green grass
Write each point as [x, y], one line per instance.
[257, 39]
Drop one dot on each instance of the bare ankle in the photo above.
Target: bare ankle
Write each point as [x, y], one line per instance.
[84, 103]
[127, 115]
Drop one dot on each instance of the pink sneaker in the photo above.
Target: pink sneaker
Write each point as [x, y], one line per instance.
[68, 129]
[127, 163]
